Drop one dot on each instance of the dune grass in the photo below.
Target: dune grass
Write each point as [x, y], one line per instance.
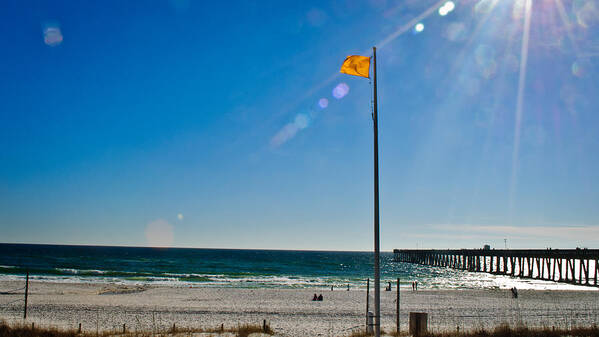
[502, 331]
[23, 330]
[522, 331]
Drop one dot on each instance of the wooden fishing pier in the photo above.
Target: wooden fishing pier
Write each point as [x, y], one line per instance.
[574, 266]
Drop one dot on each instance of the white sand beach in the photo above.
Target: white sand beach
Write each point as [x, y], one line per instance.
[290, 312]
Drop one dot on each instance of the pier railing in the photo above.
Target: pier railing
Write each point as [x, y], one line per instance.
[574, 266]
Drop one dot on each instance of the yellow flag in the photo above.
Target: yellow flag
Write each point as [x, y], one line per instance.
[356, 65]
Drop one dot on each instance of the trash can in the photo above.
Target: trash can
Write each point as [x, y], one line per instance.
[418, 323]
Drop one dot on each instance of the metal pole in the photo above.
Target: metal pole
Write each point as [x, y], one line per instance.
[367, 299]
[377, 281]
[26, 294]
[397, 309]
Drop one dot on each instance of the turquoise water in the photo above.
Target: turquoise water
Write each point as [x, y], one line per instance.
[230, 268]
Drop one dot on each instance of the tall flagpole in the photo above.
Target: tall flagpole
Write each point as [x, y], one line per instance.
[377, 277]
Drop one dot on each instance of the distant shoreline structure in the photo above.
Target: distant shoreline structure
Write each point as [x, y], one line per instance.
[572, 266]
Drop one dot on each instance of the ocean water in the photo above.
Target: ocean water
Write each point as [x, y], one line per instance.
[235, 268]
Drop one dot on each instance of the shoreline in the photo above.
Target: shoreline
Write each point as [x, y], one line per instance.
[290, 312]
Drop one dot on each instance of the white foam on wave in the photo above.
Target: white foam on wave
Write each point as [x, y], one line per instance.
[8, 267]
[427, 277]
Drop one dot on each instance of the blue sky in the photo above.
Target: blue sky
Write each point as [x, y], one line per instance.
[195, 124]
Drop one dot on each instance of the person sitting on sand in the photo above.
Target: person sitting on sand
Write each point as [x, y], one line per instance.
[320, 297]
[315, 298]
[514, 292]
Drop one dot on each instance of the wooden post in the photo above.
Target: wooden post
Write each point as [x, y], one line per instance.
[596, 270]
[542, 271]
[124, 328]
[588, 264]
[531, 265]
[513, 264]
[572, 270]
[521, 265]
[26, 294]
[367, 299]
[79, 330]
[264, 326]
[397, 308]
[559, 270]
[153, 323]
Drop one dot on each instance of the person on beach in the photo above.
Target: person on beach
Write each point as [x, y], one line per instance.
[348, 287]
[320, 297]
[514, 292]
[315, 298]
[388, 287]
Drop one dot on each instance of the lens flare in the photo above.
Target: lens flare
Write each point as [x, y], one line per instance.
[587, 13]
[289, 131]
[52, 35]
[410, 24]
[180, 216]
[301, 121]
[419, 27]
[580, 67]
[446, 8]
[340, 90]
[159, 233]
[323, 103]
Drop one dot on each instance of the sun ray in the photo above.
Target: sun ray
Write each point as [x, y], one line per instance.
[519, 102]
[564, 17]
[404, 28]
[408, 25]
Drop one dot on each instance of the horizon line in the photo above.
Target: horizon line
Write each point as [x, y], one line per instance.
[180, 247]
